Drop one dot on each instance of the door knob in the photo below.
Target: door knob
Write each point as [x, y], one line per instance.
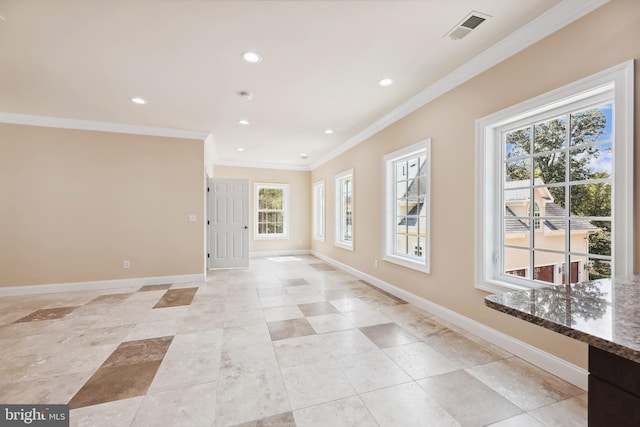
[245, 227]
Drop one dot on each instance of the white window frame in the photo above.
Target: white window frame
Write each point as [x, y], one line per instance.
[488, 203]
[285, 211]
[339, 241]
[390, 225]
[318, 218]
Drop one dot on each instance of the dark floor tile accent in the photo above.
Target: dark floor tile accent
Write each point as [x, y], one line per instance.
[154, 288]
[281, 420]
[317, 308]
[295, 282]
[128, 372]
[176, 297]
[109, 299]
[322, 267]
[338, 294]
[385, 293]
[388, 335]
[139, 351]
[46, 314]
[115, 383]
[283, 329]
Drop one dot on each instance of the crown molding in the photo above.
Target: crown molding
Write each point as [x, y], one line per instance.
[257, 165]
[64, 123]
[544, 25]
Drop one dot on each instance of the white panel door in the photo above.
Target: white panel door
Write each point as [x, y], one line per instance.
[228, 223]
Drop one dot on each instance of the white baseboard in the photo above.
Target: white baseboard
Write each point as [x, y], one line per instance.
[290, 252]
[98, 284]
[550, 363]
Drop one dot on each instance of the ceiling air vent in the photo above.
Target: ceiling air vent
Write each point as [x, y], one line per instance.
[464, 27]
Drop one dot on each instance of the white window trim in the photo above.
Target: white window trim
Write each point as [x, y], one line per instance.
[318, 209]
[389, 203]
[285, 209]
[621, 78]
[338, 212]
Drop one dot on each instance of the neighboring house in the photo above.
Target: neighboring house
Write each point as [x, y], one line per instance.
[410, 208]
[550, 231]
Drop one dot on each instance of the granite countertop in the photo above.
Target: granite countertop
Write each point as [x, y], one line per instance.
[603, 313]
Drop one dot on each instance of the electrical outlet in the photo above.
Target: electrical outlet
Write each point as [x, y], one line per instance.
[126, 263]
[375, 263]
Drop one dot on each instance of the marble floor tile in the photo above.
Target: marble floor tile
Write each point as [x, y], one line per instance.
[336, 294]
[300, 289]
[329, 323]
[460, 349]
[185, 407]
[372, 371]
[388, 335]
[350, 304]
[524, 420]
[406, 405]
[110, 414]
[109, 299]
[280, 420]
[301, 350]
[192, 359]
[420, 361]
[481, 405]
[267, 397]
[566, 413]
[282, 313]
[523, 384]
[295, 282]
[307, 297]
[283, 329]
[277, 301]
[236, 362]
[146, 330]
[176, 297]
[273, 292]
[321, 267]
[154, 287]
[245, 335]
[350, 341]
[317, 308]
[243, 318]
[46, 314]
[368, 317]
[201, 323]
[53, 390]
[316, 382]
[348, 412]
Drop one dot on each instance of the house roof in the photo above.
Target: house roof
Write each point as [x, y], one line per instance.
[516, 225]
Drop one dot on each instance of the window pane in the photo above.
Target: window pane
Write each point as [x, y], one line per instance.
[401, 244]
[550, 135]
[518, 170]
[591, 199]
[551, 236]
[517, 143]
[516, 260]
[597, 269]
[591, 162]
[544, 272]
[550, 168]
[600, 239]
[591, 125]
[418, 247]
[402, 170]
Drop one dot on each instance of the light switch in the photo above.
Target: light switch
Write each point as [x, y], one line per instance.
[193, 218]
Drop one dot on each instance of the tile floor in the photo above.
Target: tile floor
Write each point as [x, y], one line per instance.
[288, 342]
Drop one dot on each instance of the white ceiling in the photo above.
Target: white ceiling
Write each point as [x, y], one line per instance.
[85, 59]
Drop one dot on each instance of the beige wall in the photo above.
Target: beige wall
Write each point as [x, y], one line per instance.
[75, 204]
[299, 205]
[606, 37]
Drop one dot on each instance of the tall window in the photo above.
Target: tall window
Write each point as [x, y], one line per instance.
[344, 210]
[271, 208]
[318, 211]
[554, 186]
[407, 233]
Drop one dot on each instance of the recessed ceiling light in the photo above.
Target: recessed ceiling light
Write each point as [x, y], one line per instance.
[240, 149]
[328, 131]
[138, 100]
[385, 82]
[251, 57]
[243, 122]
[245, 95]
[304, 156]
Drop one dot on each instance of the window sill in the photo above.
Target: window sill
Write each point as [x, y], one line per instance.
[271, 237]
[346, 246]
[408, 263]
